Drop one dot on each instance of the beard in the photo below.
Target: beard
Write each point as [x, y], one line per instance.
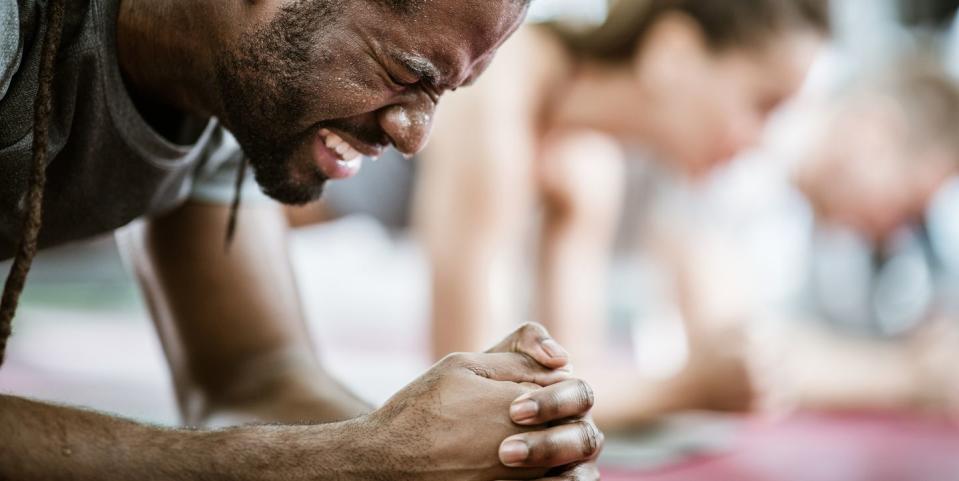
[281, 173]
[264, 81]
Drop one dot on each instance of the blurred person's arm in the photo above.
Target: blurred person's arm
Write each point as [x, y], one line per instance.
[581, 181]
[702, 277]
[475, 196]
[800, 365]
[231, 323]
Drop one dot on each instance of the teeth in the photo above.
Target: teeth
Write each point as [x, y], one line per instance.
[350, 154]
[333, 141]
[336, 143]
[352, 164]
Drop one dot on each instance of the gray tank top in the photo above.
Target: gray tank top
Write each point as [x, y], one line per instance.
[106, 166]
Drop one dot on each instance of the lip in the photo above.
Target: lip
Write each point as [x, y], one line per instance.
[365, 149]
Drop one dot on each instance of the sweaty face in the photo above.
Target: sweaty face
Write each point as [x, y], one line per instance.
[321, 83]
[719, 105]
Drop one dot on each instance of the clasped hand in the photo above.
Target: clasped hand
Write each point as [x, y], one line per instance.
[513, 413]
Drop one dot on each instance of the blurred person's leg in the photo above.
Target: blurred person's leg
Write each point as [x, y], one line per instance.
[581, 185]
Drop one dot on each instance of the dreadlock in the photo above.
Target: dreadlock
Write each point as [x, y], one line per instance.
[33, 217]
[235, 206]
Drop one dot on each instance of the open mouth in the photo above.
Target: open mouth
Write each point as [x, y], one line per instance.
[339, 155]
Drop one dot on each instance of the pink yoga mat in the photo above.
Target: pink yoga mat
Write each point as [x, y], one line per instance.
[827, 447]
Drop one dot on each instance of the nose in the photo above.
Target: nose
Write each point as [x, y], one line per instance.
[408, 124]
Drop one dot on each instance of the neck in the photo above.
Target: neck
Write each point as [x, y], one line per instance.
[604, 98]
[166, 54]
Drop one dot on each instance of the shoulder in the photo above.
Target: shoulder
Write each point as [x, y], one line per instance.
[10, 43]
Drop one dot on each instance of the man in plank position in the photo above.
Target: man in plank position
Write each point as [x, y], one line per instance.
[113, 110]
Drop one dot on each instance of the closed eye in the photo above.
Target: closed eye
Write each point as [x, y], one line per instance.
[404, 81]
[424, 71]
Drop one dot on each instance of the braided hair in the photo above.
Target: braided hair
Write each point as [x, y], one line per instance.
[33, 217]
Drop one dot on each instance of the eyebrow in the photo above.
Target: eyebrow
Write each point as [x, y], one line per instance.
[422, 67]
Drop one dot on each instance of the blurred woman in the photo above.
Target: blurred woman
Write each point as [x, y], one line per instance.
[691, 81]
[537, 146]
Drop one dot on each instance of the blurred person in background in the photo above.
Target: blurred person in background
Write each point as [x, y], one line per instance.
[882, 281]
[692, 82]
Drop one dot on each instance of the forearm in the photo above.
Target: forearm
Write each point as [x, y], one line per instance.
[280, 389]
[581, 211]
[473, 244]
[48, 442]
[468, 302]
[231, 322]
[572, 272]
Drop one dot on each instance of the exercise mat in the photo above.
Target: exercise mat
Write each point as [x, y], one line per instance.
[823, 447]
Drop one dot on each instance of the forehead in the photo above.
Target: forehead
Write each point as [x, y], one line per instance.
[456, 35]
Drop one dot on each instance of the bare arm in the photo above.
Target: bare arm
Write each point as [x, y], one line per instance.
[448, 425]
[48, 442]
[581, 182]
[475, 192]
[231, 323]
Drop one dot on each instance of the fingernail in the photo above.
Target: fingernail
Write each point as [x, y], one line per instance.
[523, 410]
[554, 350]
[513, 453]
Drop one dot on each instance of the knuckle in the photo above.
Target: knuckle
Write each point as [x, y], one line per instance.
[590, 439]
[524, 363]
[529, 364]
[519, 389]
[550, 403]
[585, 395]
[544, 450]
[480, 370]
[456, 359]
[532, 329]
[469, 362]
[530, 369]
